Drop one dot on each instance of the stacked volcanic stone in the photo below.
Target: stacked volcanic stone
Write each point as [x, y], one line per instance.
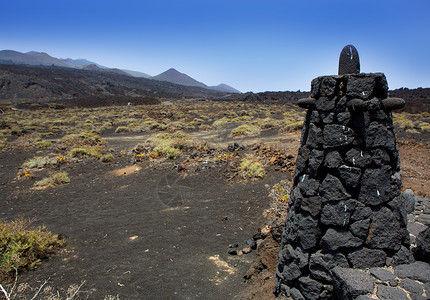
[346, 207]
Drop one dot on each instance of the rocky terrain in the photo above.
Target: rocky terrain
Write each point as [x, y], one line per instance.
[138, 224]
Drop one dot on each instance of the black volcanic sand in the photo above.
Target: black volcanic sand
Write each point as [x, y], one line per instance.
[146, 234]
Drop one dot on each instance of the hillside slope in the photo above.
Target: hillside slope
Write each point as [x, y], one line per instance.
[41, 83]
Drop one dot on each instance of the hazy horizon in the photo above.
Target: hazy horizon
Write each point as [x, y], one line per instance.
[249, 45]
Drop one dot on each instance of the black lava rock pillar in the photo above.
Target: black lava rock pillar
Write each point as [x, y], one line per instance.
[346, 207]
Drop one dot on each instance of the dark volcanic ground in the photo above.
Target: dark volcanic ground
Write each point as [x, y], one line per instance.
[146, 234]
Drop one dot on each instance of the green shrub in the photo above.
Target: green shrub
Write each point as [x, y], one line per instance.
[43, 144]
[245, 130]
[168, 145]
[83, 138]
[3, 141]
[412, 130]
[252, 167]
[53, 180]
[424, 127]
[86, 152]
[221, 122]
[403, 120]
[122, 129]
[292, 126]
[41, 162]
[22, 247]
[151, 124]
[107, 158]
[167, 151]
[265, 123]
[242, 119]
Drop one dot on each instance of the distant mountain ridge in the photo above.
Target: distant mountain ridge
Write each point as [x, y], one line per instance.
[41, 58]
[31, 58]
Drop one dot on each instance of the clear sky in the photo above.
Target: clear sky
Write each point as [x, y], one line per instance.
[264, 45]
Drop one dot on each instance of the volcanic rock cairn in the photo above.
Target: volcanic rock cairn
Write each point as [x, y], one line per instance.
[346, 207]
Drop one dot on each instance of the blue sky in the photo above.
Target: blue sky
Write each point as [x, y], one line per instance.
[272, 45]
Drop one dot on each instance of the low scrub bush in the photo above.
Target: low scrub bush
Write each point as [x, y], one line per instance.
[252, 167]
[151, 124]
[23, 247]
[245, 130]
[167, 151]
[265, 123]
[86, 152]
[107, 158]
[279, 196]
[83, 138]
[53, 180]
[3, 141]
[168, 145]
[424, 126]
[43, 144]
[42, 162]
[122, 129]
[221, 122]
[403, 120]
[292, 126]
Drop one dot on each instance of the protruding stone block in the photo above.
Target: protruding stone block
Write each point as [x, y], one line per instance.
[356, 104]
[393, 103]
[308, 103]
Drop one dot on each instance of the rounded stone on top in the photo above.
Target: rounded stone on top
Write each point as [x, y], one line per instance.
[349, 61]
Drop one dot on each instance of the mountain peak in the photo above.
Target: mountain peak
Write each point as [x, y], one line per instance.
[225, 88]
[174, 76]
